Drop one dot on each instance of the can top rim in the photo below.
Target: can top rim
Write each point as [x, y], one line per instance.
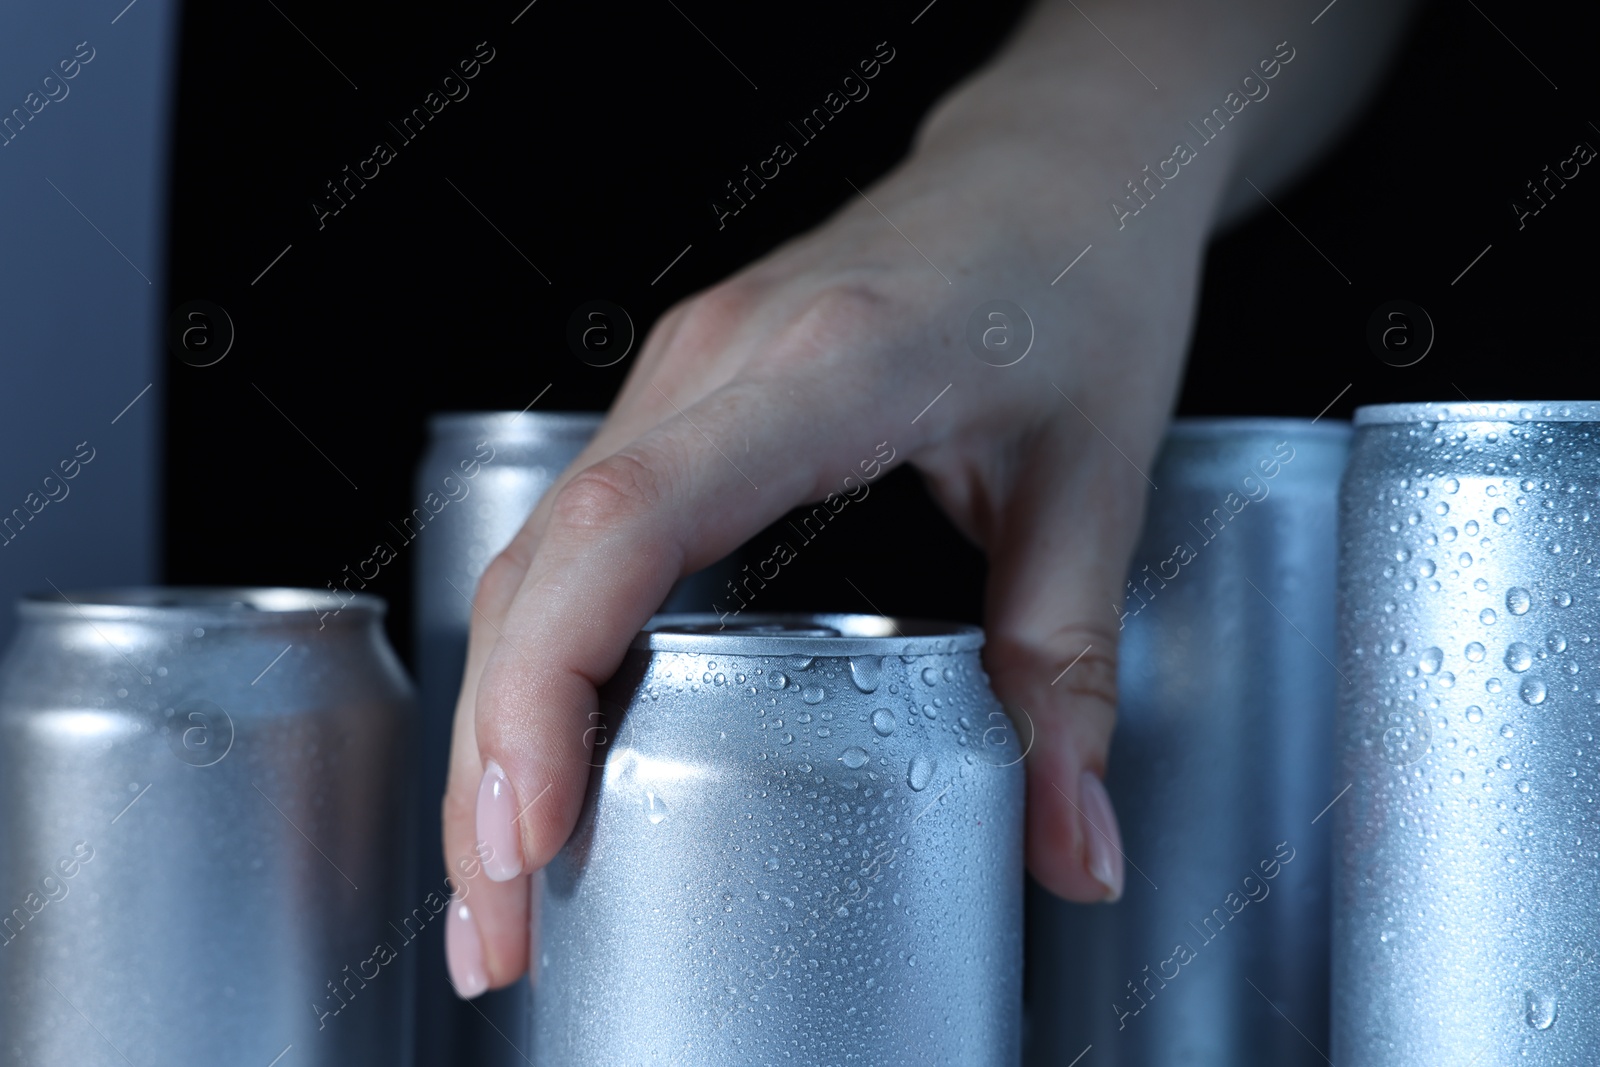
[820, 634]
[503, 424]
[1190, 427]
[222, 605]
[1490, 411]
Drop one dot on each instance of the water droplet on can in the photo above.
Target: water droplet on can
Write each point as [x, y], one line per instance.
[1475, 652]
[1541, 1010]
[1533, 691]
[655, 809]
[866, 672]
[1519, 657]
[1518, 600]
[920, 772]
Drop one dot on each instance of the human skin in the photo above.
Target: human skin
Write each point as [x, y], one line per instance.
[833, 343]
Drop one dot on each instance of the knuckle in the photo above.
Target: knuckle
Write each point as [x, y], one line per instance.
[618, 489]
[834, 318]
[500, 580]
[707, 319]
[1076, 661]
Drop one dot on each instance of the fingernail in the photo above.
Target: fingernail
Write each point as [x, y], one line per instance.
[463, 952]
[497, 825]
[1102, 839]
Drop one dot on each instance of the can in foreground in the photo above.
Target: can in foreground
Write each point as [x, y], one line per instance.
[803, 847]
[1219, 769]
[202, 814]
[1467, 868]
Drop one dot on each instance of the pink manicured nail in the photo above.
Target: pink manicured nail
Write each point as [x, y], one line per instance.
[497, 825]
[463, 952]
[1102, 839]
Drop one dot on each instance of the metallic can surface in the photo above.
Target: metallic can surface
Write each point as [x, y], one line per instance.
[1219, 766]
[492, 467]
[1467, 868]
[804, 848]
[202, 814]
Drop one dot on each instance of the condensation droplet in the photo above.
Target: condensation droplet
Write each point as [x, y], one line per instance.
[1533, 691]
[655, 809]
[920, 772]
[1475, 652]
[1487, 616]
[1518, 600]
[1541, 1010]
[1431, 660]
[1519, 657]
[1474, 714]
[1502, 517]
[866, 672]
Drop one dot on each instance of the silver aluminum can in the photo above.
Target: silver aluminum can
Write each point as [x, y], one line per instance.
[803, 846]
[485, 472]
[1219, 769]
[482, 474]
[1468, 864]
[202, 814]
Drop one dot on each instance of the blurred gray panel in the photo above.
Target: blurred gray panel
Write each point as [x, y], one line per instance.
[85, 103]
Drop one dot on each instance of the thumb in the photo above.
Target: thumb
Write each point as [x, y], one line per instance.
[1058, 559]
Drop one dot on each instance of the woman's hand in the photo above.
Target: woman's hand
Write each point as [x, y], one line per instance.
[849, 344]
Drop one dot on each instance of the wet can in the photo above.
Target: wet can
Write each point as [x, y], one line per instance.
[1216, 956]
[802, 844]
[484, 472]
[1468, 859]
[203, 816]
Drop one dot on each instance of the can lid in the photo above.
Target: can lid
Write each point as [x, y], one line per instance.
[1230, 427]
[220, 605]
[509, 426]
[806, 635]
[1467, 411]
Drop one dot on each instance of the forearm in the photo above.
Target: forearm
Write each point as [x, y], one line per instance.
[1200, 96]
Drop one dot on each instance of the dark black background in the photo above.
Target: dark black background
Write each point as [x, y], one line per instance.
[594, 141]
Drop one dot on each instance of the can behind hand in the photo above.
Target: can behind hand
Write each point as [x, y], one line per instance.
[202, 814]
[1220, 769]
[802, 845]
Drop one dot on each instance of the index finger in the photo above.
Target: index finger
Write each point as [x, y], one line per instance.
[617, 535]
